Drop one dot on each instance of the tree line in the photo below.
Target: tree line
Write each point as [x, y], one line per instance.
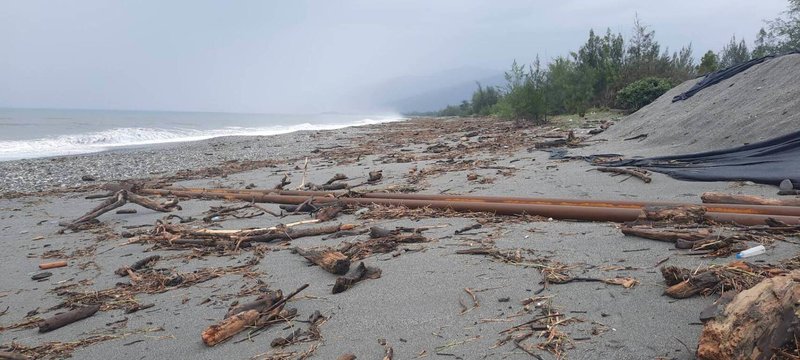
[609, 72]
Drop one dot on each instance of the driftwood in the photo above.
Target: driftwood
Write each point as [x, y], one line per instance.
[53, 265]
[381, 245]
[69, 317]
[123, 271]
[329, 213]
[362, 272]
[348, 356]
[229, 327]
[232, 325]
[121, 198]
[336, 178]
[375, 176]
[722, 198]
[734, 276]
[294, 233]
[756, 324]
[681, 214]
[284, 181]
[262, 302]
[637, 173]
[330, 260]
[671, 235]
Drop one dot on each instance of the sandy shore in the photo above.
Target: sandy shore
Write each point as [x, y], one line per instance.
[415, 305]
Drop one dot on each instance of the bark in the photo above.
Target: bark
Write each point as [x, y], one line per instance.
[69, 317]
[330, 260]
[722, 198]
[756, 323]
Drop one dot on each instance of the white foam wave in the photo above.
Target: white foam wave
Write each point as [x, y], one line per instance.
[129, 136]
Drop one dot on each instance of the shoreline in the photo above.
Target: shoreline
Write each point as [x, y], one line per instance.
[39, 174]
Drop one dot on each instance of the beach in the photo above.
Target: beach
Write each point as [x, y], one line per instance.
[429, 301]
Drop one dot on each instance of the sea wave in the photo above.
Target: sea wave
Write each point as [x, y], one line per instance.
[134, 136]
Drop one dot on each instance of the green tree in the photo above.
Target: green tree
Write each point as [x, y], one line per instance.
[525, 95]
[781, 35]
[483, 99]
[734, 53]
[708, 63]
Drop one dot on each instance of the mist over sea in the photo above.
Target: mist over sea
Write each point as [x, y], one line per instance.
[31, 133]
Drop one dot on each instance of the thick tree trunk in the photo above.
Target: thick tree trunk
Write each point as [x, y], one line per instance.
[756, 323]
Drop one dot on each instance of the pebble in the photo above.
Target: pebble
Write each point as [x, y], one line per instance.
[786, 185]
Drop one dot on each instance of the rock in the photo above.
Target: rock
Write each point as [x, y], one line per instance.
[88, 178]
[41, 275]
[786, 185]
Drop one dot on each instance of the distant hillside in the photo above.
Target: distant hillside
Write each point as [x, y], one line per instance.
[427, 93]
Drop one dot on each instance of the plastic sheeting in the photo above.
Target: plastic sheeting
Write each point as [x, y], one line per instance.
[719, 75]
[766, 162]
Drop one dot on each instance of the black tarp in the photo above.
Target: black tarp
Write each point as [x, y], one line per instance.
[766, 162]
[719, 75]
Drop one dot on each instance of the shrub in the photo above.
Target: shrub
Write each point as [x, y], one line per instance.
[642, 92]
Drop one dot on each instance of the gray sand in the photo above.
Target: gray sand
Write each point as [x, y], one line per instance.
[414, 306]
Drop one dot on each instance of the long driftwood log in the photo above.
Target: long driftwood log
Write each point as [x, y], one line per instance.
[69, 317]
[328, 259]
[671, 235]
[723, 198]
[756, 324]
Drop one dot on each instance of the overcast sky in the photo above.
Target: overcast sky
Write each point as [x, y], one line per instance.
[306, 56]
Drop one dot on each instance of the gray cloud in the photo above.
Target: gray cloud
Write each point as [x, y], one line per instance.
[307, 56]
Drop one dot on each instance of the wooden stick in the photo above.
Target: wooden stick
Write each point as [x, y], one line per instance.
[53, 265]
[67, 318]
[261, 303]
[637, 173]
[666, 235]
[328, 259]
[229, 327]
[722, 198]
[123, 271]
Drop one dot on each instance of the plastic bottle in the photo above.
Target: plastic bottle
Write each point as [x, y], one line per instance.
[753, 251]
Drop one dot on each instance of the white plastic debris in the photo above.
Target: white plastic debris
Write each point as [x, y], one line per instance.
[753, 251]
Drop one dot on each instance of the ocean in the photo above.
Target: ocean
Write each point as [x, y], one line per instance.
[31, 133]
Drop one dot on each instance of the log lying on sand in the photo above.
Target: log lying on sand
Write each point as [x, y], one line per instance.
[330, 260]
[722, 198]
[232, 325]
[229, 327]
[756, 324]
[672, 235]
[362, 272]
[69, 317]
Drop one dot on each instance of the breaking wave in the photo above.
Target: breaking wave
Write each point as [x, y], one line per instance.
[134, 136]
